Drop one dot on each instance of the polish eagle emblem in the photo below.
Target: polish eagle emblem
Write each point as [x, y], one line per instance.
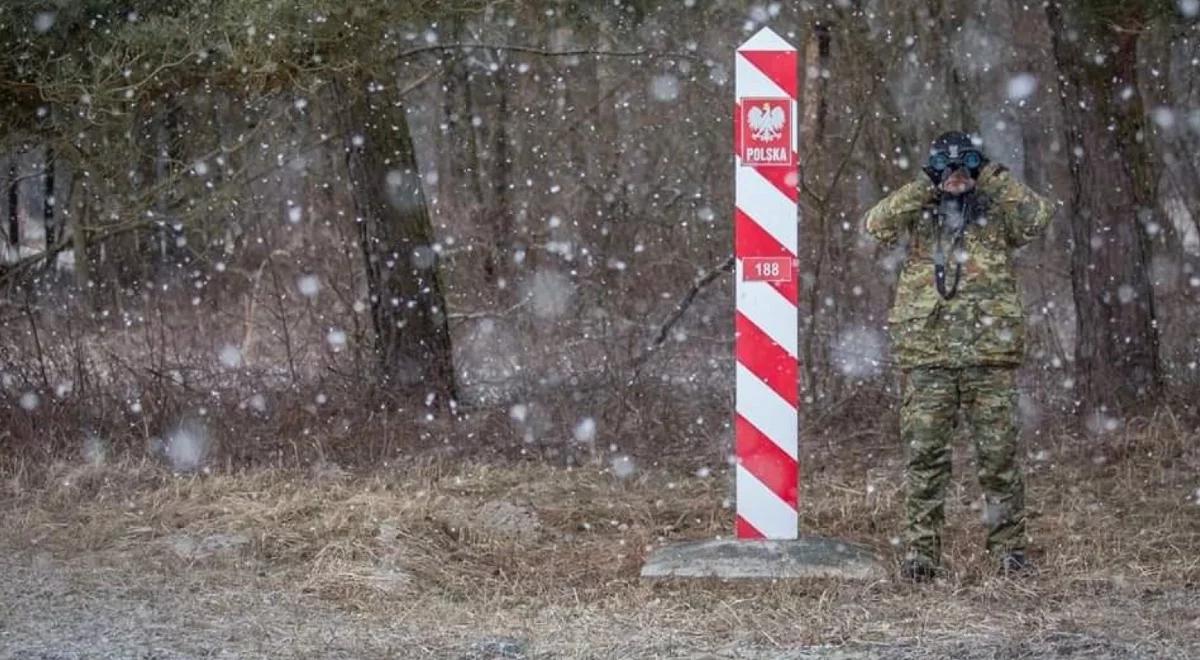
[766, 123]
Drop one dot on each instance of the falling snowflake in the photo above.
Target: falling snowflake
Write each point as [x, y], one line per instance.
[664, 87]
[858, 352]
[623, 467]
[519, 412]
[187, 446]
[1164, 117]
[1021, 86]
[336, 338]
[308, 285]
[550, 293]
[230, 356]
[29, 401]
[43, 21]
[585, 431]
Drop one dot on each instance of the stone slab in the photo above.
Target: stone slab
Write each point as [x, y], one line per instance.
[805, 557]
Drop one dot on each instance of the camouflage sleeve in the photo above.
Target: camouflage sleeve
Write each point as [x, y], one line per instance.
[1025, 213]
[897, 213]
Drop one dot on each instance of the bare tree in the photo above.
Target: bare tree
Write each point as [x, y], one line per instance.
[1112, 199]
[408, 310]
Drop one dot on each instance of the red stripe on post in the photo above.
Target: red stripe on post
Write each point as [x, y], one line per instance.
[779, 66]
[767, 462]
[768, 361]
[745, 530]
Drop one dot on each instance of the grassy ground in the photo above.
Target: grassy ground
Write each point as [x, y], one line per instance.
[441, 559]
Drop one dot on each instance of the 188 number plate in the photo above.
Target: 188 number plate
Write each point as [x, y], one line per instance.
[767, 269]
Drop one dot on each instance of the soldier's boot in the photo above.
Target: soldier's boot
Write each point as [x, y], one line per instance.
[918, 569]
[1016, 563]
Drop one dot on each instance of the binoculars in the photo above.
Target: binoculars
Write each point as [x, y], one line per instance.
[941, 161]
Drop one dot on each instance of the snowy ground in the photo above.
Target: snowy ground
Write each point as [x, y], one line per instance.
[56, 610]
[476, 561]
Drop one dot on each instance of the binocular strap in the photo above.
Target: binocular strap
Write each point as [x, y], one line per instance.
[959, 208]
[939, 278]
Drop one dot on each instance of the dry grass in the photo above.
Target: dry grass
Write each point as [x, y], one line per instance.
[1116, 526]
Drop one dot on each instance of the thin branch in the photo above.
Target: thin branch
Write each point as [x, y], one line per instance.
[841, 169]
[686, 302]
[472, 316]
[407, 89]
[531, 50]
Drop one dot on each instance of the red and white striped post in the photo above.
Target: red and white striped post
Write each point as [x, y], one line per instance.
[765, 229]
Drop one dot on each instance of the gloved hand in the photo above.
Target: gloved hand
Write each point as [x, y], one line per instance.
[958, 183]
[935, 177]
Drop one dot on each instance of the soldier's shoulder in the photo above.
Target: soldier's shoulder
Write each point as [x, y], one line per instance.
[996, 180]
[919, 190]
[920, 183]
[995, 172]
[900, 197]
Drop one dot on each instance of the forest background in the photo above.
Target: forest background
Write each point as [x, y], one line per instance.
[260, 232]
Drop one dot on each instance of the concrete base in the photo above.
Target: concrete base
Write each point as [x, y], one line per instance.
[806, 557]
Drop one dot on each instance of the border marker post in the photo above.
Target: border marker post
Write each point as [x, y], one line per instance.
[766, 173]
[766, 227]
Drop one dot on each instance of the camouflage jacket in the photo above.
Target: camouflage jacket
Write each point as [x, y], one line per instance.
[983, 324]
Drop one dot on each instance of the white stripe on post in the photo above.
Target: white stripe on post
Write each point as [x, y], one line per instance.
[762, 508]
[767, 411]
[767, 205]
[761, 303]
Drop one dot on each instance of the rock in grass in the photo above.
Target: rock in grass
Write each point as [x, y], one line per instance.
[504, 518]
[191, 548]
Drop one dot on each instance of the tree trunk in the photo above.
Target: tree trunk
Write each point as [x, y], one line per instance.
[956, 107]
[408, 310]
[461, 188]
[79, 243]
[14, 216]
[1116, 354]
[48, 219]
[814, 103]
[502, 224]
[167, 141]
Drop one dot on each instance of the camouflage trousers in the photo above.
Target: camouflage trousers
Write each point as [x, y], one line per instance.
[928, 417]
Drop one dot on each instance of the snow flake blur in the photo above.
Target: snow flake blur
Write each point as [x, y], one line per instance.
[230, 356]
[308, 285]
[187, 446]
[664, 87]
[1021, 86]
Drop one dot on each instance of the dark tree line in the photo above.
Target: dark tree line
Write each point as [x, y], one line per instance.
[527, 197]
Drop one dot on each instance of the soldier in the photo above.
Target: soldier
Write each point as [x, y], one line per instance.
[957, 334]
